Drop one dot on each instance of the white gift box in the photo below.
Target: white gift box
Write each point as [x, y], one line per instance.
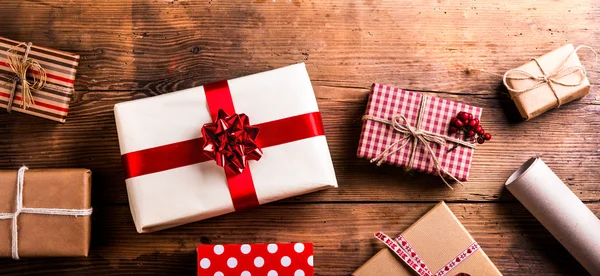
[199, 191]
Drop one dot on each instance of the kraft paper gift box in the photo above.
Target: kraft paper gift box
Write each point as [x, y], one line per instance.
[171, 181]
[423, 113]
[547, 82]
[51, 101]
[54, 219]
[294, 259]
[437, 241]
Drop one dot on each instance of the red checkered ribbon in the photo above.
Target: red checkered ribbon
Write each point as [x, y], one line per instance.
[402, 248]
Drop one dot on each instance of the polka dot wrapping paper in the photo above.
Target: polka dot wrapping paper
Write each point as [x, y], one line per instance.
[282, 259]
[386, 102]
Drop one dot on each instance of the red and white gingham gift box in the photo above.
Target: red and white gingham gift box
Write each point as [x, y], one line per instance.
[386, 102]
[282, 259]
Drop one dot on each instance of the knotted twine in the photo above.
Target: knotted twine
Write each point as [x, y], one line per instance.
[416, 135]
[19, 209]
[551, 78]
[20, 65]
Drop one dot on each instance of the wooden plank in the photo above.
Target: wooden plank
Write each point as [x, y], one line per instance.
[89, 139]
[161, 46]
[342, 235]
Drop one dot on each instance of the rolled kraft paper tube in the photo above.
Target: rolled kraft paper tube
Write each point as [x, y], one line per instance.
[559, 210]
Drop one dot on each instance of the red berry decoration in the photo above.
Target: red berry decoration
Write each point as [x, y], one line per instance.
[474, 123]
[479, 130]
[470, 127]
[463, 116]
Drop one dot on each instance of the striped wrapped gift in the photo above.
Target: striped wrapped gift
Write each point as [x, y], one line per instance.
[52, 100]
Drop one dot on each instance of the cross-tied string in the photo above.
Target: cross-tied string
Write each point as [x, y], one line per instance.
[19, 209]
[20, 65]
[416, 135]
[551, 78]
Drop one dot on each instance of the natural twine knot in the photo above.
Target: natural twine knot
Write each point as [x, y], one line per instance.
[416, 135]
[401, 125]
[545, 78]
[551, 78]
[20, 65]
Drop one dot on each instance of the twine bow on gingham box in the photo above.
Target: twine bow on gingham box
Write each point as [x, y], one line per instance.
[426, 146]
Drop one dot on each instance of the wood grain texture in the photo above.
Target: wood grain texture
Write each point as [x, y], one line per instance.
[141, 48]
[342, 235]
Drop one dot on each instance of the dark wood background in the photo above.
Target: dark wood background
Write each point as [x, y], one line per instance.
[136, 49]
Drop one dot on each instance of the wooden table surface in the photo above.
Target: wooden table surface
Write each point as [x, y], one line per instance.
[142, 48]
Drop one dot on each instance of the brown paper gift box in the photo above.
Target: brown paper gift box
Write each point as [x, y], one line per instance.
[541, 99]
[437, 237]
[47, 235]
[52, 101]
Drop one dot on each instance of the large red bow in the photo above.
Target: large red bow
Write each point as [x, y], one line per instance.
[230, 141]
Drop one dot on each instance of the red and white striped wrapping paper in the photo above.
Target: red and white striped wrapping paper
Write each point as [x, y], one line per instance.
[52, 101]
[386, 102]
[282, 259]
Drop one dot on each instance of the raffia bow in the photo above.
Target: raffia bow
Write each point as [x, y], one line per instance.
[20, 65]
[416, 135]
[551, 78]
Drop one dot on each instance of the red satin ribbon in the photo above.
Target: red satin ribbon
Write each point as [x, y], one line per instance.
[218, 97]
[241, 186]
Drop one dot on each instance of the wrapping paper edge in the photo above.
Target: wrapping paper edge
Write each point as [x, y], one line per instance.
[150, 228]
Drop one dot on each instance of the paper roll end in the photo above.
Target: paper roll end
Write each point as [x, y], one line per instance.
[521, 171]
